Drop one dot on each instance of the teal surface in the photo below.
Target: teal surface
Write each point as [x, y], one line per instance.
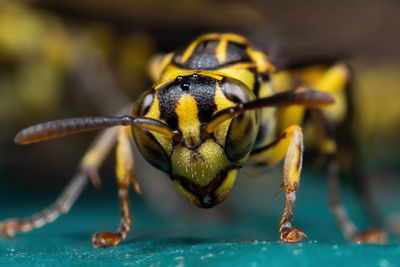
[248, 238]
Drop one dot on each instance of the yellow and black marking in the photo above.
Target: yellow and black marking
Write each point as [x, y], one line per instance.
[215, 105]
[186, 103]
[227, 54]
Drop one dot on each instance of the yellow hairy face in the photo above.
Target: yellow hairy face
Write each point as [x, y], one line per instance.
[199, 165]
[204, 175]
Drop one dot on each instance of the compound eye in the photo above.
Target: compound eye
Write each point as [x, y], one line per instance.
[236, 91]
[243, 129]
[147, 143]
[143, 103]
[151, 149]
[241, 136]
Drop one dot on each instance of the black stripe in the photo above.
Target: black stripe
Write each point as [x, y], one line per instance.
[236, 53]
[168, 98]
[201, 87]
[204, 56]
[203, 91]
[256, 84]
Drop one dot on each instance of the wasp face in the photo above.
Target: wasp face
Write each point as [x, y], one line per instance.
[203, 168]
[204, 175]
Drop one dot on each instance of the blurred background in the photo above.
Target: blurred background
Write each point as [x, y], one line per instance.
[62, 59]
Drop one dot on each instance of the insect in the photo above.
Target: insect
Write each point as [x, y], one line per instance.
[216, 105]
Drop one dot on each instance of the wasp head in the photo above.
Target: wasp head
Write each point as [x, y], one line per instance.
[202, 166]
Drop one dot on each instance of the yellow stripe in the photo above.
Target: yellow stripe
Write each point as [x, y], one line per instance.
[209, 36]
[154, 111]
[221, 50]
[234, 38]
[189, 51]
[262, 61]
[190, 196]
[211, 74]
[188, 121]
[220, 99]
[222, 103]
[171, 72]
[225, 188]
[240, 72]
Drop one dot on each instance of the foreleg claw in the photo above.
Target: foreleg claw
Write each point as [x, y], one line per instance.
[106, 239]
[292, 234]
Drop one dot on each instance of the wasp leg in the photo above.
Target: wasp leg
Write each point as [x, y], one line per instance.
[88, 168]
[62, 205]
[327, 145]
[124, 170]
[289, 145]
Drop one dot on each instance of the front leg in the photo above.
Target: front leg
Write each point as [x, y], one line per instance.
[124, 169]
[289, 145]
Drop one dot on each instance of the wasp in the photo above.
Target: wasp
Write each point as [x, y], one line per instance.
[216, 105]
